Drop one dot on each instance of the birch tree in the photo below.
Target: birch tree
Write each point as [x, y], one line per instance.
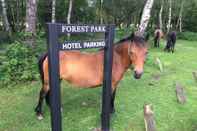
[160, 16]
[31, 11]
[179, 22]
[169, 16]
[53, 11]
[69, 14]
[5, 18]
[69, 11]
[145, 17]
[101, 11]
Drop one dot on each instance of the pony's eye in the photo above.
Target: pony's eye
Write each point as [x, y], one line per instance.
[130, 52]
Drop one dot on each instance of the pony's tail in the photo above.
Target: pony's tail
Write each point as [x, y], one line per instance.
[40, 66]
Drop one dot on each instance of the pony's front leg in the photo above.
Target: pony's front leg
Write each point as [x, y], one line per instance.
[155, 42]
[173, 48]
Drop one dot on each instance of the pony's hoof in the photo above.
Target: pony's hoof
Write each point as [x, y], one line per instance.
[40, 117]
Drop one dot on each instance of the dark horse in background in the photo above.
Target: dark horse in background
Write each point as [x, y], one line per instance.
[158, 34]
[85, 70]
[171, 41]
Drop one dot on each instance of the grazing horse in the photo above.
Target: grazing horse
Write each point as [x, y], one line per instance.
[171, 40]
[158, 34]
[85, 70]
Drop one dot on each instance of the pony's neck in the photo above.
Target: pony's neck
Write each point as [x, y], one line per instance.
[122, 50]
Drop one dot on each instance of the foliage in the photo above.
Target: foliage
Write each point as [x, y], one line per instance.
[191, 36]
[16, 11]
[18, 64]
[190, 16]
[117, 12]
[123, 31]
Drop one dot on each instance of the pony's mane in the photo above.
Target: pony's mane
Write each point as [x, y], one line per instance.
[128, 38]
[138, 40]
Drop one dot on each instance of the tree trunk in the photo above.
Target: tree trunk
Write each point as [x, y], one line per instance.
[169, 16]
[18, 15]
[53, 11]
[101, 11]
[5, 18]
[160, 17]
[145, 17]
[31, 11]
[69, 11]
[179, 22]
[69, 14]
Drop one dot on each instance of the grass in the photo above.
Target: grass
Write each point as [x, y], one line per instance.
[82, 106]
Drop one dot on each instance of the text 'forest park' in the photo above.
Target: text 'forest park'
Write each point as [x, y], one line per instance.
[81, 29]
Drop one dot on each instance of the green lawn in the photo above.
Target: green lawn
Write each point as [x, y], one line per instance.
[82, 106]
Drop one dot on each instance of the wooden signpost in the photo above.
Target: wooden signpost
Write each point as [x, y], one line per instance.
[54, 31]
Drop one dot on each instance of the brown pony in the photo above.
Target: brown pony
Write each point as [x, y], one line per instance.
[85, 70]
[158, 34]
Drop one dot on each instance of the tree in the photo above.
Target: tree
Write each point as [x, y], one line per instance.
[160, 16]
[179, 21]
[53, 11]
[5, 18]
[190, 16]
[31, 11]
[101, 11]
[69, 11]
[169, 16]
[69, 14]
[145, 17]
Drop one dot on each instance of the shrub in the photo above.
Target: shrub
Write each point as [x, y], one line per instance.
[19, 64]
[191, 36]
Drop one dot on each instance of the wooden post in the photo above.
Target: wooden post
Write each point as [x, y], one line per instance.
[149, 118]
[159, 63]
[195, 75]
[181, 98]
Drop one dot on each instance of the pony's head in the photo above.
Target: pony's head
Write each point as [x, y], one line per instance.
[137, 52]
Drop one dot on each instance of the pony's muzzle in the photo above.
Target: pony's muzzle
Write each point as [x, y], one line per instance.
[137, 75]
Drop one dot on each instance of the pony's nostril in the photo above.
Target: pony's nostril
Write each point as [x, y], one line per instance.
[137, 75]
